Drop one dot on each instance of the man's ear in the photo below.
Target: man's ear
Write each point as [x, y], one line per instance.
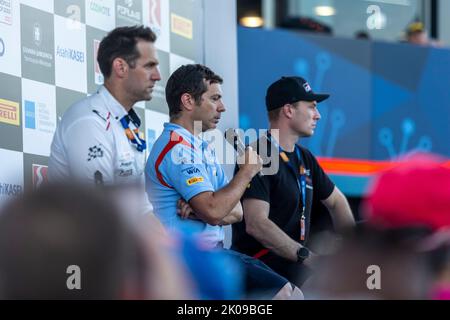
[120, 67]
[187, 101]
[287, 111]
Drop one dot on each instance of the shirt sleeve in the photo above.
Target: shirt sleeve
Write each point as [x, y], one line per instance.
[222, 179]
[89, 149]
[184, 170]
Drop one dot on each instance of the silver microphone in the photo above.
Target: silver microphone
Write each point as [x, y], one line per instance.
[233, 138]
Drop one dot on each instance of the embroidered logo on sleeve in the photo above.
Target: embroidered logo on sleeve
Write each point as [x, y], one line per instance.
[190, 171]
[194, 180]
[95, 152]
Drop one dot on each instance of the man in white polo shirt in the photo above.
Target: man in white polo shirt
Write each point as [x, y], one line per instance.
[98, 139]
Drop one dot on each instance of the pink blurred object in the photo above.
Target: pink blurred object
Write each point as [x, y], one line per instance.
[440, 293]
[414, 193]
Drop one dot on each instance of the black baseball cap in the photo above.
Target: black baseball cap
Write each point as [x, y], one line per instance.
[290, 90]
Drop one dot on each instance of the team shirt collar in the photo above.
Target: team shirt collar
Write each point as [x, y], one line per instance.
[189, 137]
[117, 110]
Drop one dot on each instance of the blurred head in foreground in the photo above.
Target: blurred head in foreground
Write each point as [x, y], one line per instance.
[416, 194]
[64, 242]
[405, 234]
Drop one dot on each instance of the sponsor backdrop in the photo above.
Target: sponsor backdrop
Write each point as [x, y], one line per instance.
[48, 54]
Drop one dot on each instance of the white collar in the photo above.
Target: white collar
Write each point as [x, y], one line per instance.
[112, 104]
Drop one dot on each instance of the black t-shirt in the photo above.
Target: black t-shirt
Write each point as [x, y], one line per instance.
[281, 191]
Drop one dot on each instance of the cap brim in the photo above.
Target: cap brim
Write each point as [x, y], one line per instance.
[318, 97]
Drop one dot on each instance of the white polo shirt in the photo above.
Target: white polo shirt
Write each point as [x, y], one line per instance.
[90, 144]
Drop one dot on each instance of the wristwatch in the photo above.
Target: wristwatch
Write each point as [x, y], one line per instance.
[302, 254]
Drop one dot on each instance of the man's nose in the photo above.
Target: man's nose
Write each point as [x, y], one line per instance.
[221, 107]
[156, 76]
[317, 115]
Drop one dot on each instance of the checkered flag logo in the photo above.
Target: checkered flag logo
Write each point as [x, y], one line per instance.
[94, 153]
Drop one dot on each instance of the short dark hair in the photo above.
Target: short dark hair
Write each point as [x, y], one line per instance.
[44, 232]
[188, 79]
[275, 114]
[121, 43]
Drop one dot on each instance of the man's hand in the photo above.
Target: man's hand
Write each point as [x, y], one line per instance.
[217, 208]
[185, 211]
[250, 162]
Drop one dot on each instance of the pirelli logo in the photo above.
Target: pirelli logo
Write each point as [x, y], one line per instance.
[181, 26]
[195, 180]
[9, 112]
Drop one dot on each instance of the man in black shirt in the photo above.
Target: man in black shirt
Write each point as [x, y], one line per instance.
[278, 207]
